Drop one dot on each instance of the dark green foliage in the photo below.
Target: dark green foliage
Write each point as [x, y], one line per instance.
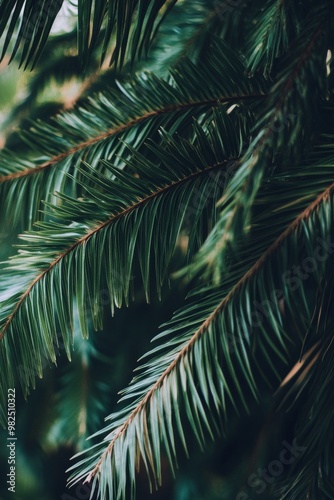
[197, 170]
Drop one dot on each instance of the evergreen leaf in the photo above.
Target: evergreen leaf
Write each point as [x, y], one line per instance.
[218, 330]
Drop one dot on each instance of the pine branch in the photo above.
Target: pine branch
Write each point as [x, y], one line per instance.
[132, 114]
[131, 25]
[301, 73]
[275, 29]
[200, 335]
[84, 239]
[122, 206]
[118, 130]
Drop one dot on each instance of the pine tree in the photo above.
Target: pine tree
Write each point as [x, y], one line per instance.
[188, 184]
